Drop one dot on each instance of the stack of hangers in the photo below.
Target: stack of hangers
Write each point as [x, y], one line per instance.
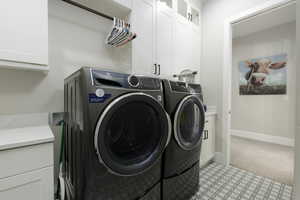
[120, 33]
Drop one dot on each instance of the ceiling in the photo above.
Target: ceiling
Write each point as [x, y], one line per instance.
[265, 21]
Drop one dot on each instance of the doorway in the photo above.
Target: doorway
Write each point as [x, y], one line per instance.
[259, 121]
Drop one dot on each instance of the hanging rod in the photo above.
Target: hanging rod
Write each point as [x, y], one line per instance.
[88, 9]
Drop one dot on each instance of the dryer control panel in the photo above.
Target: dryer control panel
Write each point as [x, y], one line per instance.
[178, 86]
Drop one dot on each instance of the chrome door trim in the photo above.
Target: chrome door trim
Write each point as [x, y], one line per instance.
[170, 129]
[128, 80]
[176, 121]
[103, 115]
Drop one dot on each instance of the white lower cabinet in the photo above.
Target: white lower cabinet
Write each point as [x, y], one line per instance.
[26, 164]
[208, 141]
[35, 185]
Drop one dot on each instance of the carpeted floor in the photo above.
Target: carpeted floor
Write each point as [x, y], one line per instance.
[218, 182]
[270, 160]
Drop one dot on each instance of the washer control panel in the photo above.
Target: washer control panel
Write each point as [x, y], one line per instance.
[114, 79]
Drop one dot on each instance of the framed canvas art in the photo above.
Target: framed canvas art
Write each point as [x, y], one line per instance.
[264, 76]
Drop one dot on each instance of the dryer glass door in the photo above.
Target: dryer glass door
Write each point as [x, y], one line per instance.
[189, 122]
[132, 133]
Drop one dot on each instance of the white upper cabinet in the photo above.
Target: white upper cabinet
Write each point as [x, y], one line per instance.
[187, 37]
[182, 8]
[143, 47]
[24, 34]
[195, 15]
[168, 38]
[153, 21]
[187, 10]
[168, 3]
[195, 49]
[164, 39]
[183, 42]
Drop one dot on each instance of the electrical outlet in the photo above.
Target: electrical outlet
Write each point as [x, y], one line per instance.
[56, 118]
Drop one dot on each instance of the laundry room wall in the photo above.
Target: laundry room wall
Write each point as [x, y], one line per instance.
[76, 38]
[214, 13]
[273, 115]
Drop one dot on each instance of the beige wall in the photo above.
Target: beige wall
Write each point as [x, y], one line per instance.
[76, 38]
[214, 14]
[268, 114]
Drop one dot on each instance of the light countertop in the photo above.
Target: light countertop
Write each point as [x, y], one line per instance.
[20, 137]
[24, 130]
[211, 110]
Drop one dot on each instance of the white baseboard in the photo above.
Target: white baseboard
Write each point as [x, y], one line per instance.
[297, 166]
[263, 137]
[219, 158]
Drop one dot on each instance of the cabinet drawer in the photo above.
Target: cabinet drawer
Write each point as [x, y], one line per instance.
[35, 185]
[20, 160]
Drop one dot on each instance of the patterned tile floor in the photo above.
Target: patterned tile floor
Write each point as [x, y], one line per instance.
[218, 182]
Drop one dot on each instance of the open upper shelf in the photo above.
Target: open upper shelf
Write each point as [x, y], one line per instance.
[110, 8]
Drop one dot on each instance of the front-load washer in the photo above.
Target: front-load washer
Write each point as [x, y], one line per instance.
[184, 104]
[116, 132]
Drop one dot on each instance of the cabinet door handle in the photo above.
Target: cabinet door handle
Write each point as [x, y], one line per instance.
[158, 69]
[205, 134]
[190, 18]
[155, 69]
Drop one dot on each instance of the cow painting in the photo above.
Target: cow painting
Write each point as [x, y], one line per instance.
[263, 76]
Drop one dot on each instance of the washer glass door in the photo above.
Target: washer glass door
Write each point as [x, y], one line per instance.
[132, 133]
[189, 122]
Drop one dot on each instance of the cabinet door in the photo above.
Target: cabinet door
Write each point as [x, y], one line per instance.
[204, 156]
[208, 142]
[188, 46]
[143, 23]
[165, 38]
[195, 48]
[195, 16]
[35, 185]
[182, 45]
[183, 9]
[211, 138]
[24, 32]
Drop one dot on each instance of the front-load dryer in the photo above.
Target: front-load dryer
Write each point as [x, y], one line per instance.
[184, 104]
[116, 132]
